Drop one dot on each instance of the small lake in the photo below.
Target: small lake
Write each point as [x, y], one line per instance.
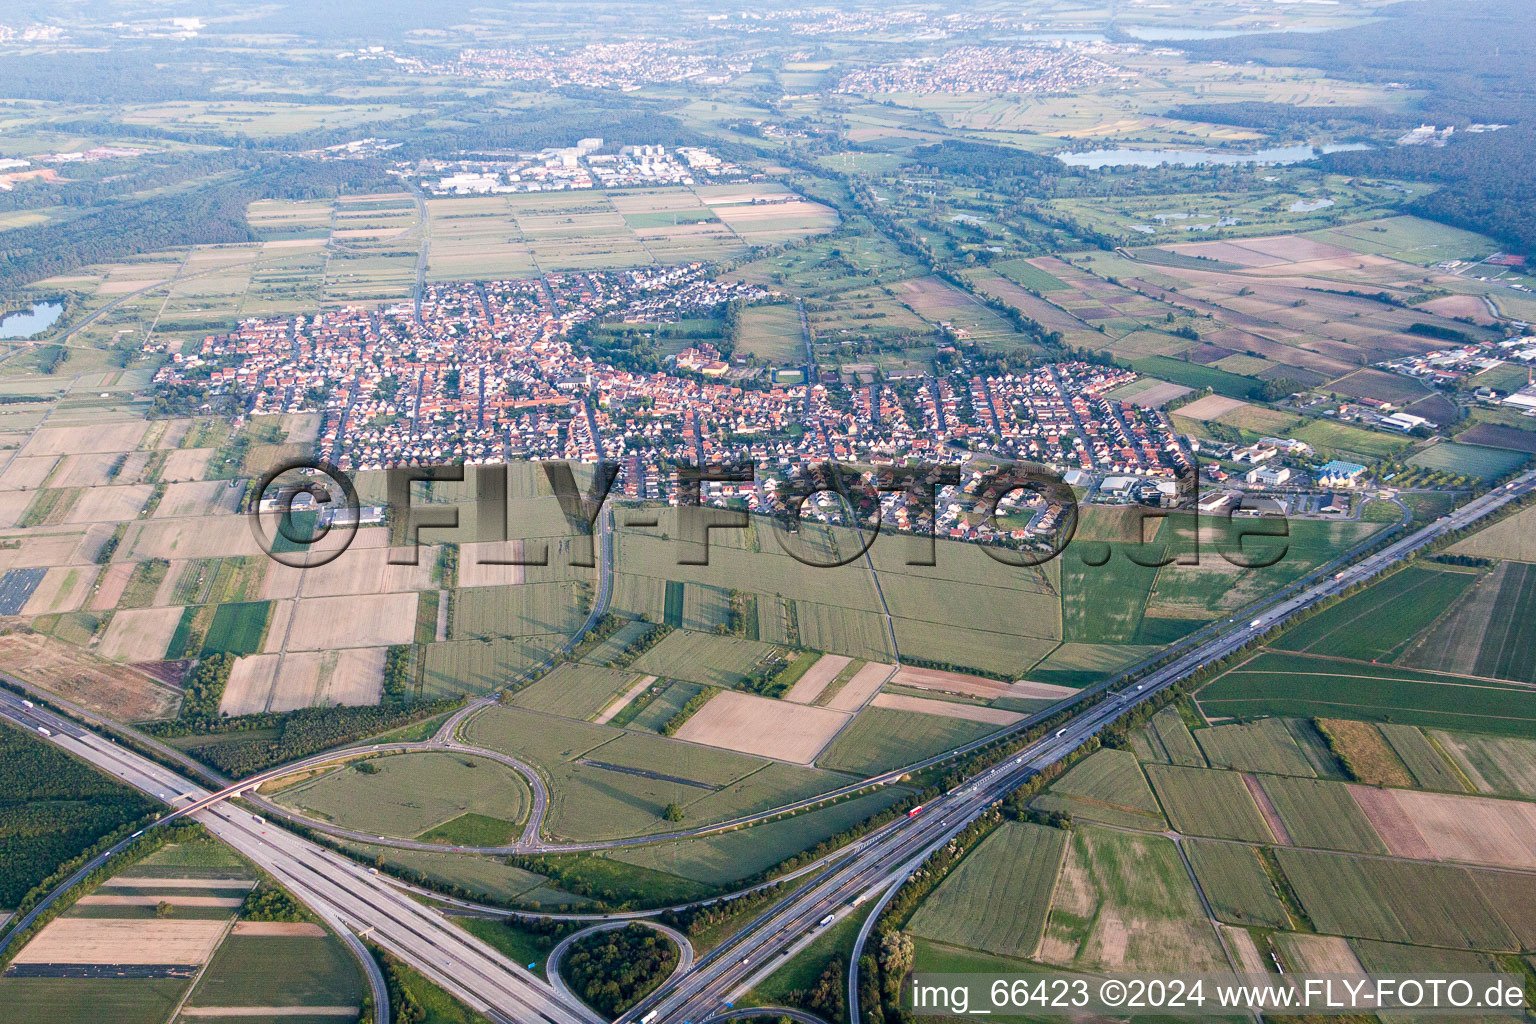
[23, 323]
[1198, 157]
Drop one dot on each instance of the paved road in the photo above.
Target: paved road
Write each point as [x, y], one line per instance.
[349, 897]
[890, 854]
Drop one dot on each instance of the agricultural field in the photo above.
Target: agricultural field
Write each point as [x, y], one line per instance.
[1234, 880]
[704, 658]
[406, 795]
[1124, 902]
[610, 783]
[1426, 759]
[1469, 460]
[1380, 623]
[168, 931]
[728, 856]
[1169, 741]
[1395, 900]
[1304, 687]
[1320, 814]
[1204, 802]
[1014, 867]
[1107, 786]
[1513, 537]
[1262, 746]
[1492, 764]
[879, 739]
[574, 691]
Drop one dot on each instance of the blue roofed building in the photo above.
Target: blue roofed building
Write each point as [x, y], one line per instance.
[1339, 474]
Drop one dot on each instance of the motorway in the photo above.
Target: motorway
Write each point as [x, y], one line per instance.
[349, 896]
[887, 856]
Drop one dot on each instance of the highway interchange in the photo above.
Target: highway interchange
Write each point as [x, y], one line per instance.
[359, 902]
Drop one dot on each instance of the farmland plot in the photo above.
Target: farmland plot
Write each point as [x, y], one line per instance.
[1287, 685]
[1236, 884]
[412, 793]
[1430, 768]
[750, 724]
[1125, 902]
[1206, 802]
[1394, 900]
[1262, 746]
[1321, 814]
[1378, 623]
[1107, 786]
[1493, 764]
[1014, 867]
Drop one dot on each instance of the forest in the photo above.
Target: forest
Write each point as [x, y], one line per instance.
[51, 808]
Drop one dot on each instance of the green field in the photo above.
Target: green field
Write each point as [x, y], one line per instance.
[1235, 882]
[1107, 786]
[1195, 375]
[608, 783]
[488, 877]
[1113, 878]
[1394, 900]
[1170, 741]
[1470, 459]
[313, 971]
[704, 658]
[91, 1000]
[412, 793]
[723, 858]
[1505, 652]
[1429, 767]
[1030, 276]
[1014, 867]
[455, 667]
[1493, 764]
[1305, 687]
[1380, 621]
[1343, 440]
[238, 628]
[527, 609]
[471, 829]
[574, 691]
[1321, 814]
[772, 333]
[1205, 802]
[883, 738]
[1262, 746]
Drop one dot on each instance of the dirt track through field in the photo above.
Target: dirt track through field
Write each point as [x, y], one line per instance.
[866, 682]
[809, 686]
[945, 708]
[1267, 808]
[623, 701]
